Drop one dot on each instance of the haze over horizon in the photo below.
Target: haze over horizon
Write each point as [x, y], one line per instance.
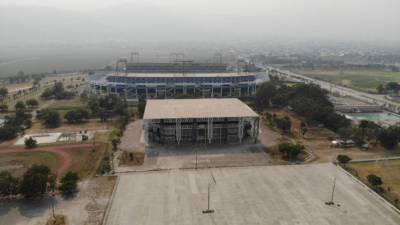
[33, 28]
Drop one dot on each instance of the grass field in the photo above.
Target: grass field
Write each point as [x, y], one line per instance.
[17, 163]
[389, 171]
[85, 162]
[364, 80]
[65, 105]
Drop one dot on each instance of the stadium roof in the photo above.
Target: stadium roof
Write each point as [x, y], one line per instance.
[186, 74]
[197, 108]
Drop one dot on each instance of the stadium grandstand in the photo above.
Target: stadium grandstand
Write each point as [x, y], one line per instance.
[169, 80]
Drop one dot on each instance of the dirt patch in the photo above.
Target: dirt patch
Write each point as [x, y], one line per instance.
[131, 158]
[76, 157]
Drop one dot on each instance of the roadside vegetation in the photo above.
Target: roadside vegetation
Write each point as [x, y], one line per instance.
[312, 104]
[381, 176]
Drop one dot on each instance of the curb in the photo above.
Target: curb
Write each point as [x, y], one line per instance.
[386, 202]
[109, 204]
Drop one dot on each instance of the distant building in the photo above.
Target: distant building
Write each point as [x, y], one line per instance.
[167, 80]
[199, 121]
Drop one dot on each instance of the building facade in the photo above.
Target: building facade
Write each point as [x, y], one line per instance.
[199, 121]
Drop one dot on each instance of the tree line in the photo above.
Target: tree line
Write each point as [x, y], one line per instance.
[37, 182]
[312, 103]
[307, 100]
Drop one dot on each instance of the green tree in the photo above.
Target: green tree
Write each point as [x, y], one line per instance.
[76, 116]
[363, 125]
[8, 132]
[374, 180]
[8, 184]
[3, 93]
[388, 137]
[30, 143]
[345, 133]
[47, 94]
[49, 117]
[284, 124]
[37, 181]
[264, 94]
[115, 142]
[20, 105]
[32, 103]
[381, 89]
[69, 184]
[290, 151]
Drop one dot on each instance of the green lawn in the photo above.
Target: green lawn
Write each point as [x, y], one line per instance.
[364, 80]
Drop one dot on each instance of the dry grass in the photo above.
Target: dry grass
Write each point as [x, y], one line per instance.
[364, 80]
[85, 161]
[57, 220]
[91, 125]
[67, 104]
[389, 172]
[17, 163]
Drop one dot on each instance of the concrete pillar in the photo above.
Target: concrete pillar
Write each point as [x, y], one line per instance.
[194, 131]
[210, 130]
[240, 129]
[178, 131]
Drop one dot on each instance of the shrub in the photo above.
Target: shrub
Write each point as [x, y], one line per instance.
[343, 159]
[374, 180]
[30, 143]
[32, 103]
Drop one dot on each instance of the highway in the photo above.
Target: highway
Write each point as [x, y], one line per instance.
[344, 91]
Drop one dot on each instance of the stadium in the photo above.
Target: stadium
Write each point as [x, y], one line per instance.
[169, 80]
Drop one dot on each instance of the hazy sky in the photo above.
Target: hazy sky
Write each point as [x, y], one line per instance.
[342, 20]
[84, 30]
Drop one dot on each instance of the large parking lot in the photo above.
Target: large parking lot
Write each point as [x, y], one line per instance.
[278, 195]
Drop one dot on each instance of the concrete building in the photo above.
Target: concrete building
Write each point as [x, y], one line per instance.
[167, 80]
[197, 121]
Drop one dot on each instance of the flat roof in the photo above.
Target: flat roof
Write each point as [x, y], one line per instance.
[279, 195]
[197, 108]
[186, 74]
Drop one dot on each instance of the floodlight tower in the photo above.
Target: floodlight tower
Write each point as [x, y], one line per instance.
[123, 61]
[219, 55]
[132, 57]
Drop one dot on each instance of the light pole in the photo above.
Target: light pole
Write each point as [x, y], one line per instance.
[212, 182]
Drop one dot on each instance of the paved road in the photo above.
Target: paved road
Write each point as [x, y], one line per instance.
[362, 96]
